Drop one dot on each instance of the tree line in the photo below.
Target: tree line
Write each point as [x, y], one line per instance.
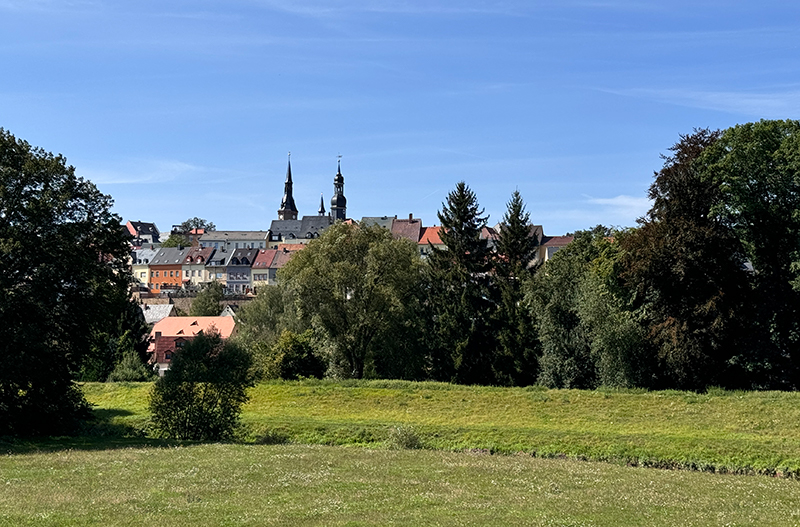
[703, 292]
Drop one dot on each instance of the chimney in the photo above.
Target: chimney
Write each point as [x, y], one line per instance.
[410, 216]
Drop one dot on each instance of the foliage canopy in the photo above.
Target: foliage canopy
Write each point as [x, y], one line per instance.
[63, 286]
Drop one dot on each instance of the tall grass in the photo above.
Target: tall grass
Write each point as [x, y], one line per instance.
[736, 432]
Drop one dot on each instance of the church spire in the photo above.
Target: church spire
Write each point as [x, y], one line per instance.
[321, 204]
[338, 201]
[288, 210]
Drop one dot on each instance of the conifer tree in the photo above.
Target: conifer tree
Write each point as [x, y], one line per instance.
[517, 346]
[460, 299]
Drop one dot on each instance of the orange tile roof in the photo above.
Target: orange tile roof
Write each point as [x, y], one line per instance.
[291, 246]
[191, 326]
[430, 235]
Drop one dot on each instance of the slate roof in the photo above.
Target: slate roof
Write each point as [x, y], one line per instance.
[155, 312]
[143, 228]
[170, 256]
[243, 257]
[381, 221]
[143, 256]
[233, 235]
[307, 227]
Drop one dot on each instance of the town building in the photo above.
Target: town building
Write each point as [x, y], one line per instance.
[170, 334]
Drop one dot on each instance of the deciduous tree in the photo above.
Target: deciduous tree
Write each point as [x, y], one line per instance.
[357, 285]
[63, 280]
[207, 301]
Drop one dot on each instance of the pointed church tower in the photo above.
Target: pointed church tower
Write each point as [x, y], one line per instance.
[288, 210]
[338, 201]
[321, 210]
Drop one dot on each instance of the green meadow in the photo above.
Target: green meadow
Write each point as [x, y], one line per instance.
[720, 431]
[403, 453]
[298, 485]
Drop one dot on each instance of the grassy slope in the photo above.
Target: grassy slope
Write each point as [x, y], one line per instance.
[724, 431]
[315, 485]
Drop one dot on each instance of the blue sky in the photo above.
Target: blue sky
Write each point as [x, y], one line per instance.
[188, 108]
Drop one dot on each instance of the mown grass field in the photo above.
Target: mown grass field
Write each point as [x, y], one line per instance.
[283, 469]
[738, 432]
[299, 485]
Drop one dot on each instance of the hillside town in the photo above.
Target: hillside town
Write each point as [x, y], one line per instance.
[242, 261]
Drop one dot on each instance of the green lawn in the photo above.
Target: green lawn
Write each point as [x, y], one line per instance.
[740, 432]
[236, 484]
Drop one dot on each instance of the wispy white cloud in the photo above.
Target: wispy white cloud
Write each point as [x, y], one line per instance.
[141, 172]
[622, 206]
[775, 104]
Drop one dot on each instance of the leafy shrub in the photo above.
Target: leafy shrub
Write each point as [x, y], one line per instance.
[404, 438]
[130, 368]
[200, 397]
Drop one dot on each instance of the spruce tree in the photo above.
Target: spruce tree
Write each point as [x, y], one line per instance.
[515, 360]
[460, 295]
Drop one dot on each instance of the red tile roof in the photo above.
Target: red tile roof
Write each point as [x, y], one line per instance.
[198, 252]
[281, 258]
[411, 229]
[556, 241]
[264, 258]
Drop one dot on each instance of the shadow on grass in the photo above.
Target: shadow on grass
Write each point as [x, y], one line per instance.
[103, 431]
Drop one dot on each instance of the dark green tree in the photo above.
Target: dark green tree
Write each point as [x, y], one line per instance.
[176, 239]
[516, 359]
[295, 356]
[126, 328]
[63, 281]
[460, 298]
[356, 285]
[262, 321]
[200, 397]
[756, 167]
[686, 265]
[197, 223]
[207, 303]
[130, 367]
[556, 298]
